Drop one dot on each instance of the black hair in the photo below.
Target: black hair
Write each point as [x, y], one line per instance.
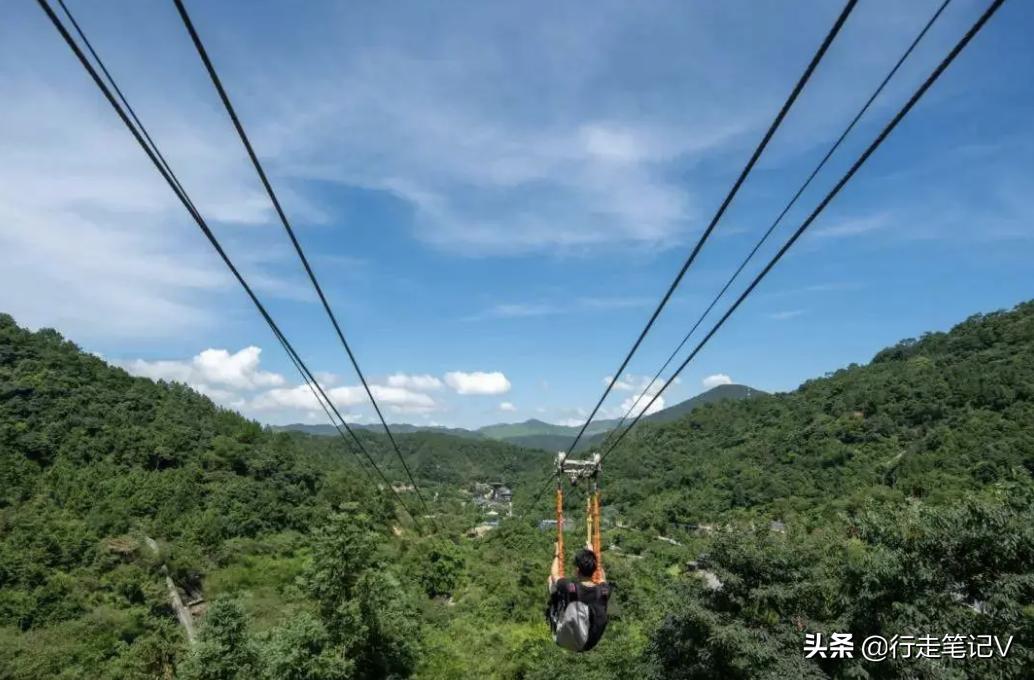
[585, 560]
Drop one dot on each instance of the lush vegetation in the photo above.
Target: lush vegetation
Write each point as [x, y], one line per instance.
[902, 491]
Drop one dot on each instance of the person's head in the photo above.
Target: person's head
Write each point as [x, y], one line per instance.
[585, 561]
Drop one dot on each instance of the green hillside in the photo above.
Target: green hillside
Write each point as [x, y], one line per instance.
[928, 418]
[94, 462]
[902, 490]
[533, 427]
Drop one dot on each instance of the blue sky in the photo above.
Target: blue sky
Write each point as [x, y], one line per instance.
[494, 195]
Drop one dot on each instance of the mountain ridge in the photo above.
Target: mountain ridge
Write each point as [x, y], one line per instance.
[536, 433]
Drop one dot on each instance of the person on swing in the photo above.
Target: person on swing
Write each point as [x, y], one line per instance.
[577, 611]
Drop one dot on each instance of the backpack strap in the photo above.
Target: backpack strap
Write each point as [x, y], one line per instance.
[596, 599]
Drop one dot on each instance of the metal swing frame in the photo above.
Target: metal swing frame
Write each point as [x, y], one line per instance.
[576, 470]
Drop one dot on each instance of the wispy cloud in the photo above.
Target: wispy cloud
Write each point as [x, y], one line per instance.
[93, 240]
[856, 226]
[786, 314]
[532, 309]
[613, 302]
[515, 311]
[812, 289]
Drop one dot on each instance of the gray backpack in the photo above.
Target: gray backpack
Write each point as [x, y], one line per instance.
[578, 615]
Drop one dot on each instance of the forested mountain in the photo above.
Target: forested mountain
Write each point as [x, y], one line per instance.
[893, 498]
[926, 419]
[718, 393]
[93, 463]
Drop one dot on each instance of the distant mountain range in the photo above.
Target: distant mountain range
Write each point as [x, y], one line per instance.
[537, 434]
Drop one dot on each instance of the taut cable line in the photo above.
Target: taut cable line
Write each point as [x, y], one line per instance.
[859, 162]
[228, 105]
[775, 223]
[184, 198]
[776, 122]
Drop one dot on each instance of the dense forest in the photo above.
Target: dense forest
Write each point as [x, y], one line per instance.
[893, 498]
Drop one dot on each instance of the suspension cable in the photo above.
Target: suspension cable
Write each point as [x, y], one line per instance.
[162, 166]
[778, 220]
[801, 82]
[916, 96]
[217, 82]
[299, 366]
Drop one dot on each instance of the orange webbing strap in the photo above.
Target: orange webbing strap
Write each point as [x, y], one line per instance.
[588, 519]
[560, 528]
[597, 544]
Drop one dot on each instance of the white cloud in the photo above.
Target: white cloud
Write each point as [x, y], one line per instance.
[613, 302]
[421, 382]
[446, 127]
[297, 398]
[625, 384]
[507, 406]
[238, 371]
[853, 227]
[300, 397]
[94, 242]
[237, 381]
[518, 310]
[715, 380]
[631, 382]
[398, 399]
[656, 406]
[497, 141]
[477, 382]
[401, 400]
[327, 379]
[786, 314]
[643, 390]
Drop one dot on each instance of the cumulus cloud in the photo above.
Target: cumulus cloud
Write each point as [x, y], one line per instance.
[477, 382]
[632, 383]
[327, 378]
[415, 382]
[507, 406]
[300, 397]
[643, 399]
[623, 384]
[716, 380]
[400, 399]
[239, 370]
[237, 381]
[297, 398]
